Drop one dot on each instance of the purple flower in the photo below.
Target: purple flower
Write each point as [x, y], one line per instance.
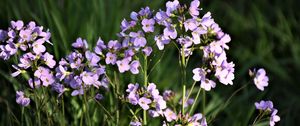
[161, 41]
[134, 67]
[134, 16]
[80, 43]
[145, 11]
[110, 58]
[160, 103]
[153, 113]
[19, 71]
[123, 65]
[92, 58]
[152, 90]
[207, 84]
[170, 32]
[170, 115]
[194, 10]
[18, 25]
[34, 84]
[61, 72]
[38, 47]
[47, 79]
[49, 61]
[21, 99]
[90, 78]
[261, 79]
[133, 98]
[172, 6]
[114, 44]
[59, 88]
[168, 95]
[77, 92]
[25, 62]
[190, 24]
[99, 97]
[199, 74]
[25, 35]
[143, 102]
[274, 118]
[3, 35]
[148, 25]
[135, 123]
[225, 73]
[138, 39]
[99, 46]
[264, 105]
[132, 87]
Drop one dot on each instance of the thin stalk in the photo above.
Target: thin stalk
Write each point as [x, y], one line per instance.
[63, 110]
[183, 71]
[258, 118]
[37, 108]
[203, 101]
[192, 108]
[116, 99]
[145, 84]
[191, 90]
[22, 116]
[86, 109]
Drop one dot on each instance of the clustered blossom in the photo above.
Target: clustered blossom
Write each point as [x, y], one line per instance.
[21, 99]
[178, 120]
[260, 78]
[81, 70]
[148, 98]
[267, 107]
[28, 41]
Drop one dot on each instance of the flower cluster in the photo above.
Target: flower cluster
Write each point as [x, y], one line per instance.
[267, 108]
[28, 41]
[148, 98]
[80, 70]
[178, 120]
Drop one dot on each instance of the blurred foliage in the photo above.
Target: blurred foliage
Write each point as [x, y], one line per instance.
[265, 33]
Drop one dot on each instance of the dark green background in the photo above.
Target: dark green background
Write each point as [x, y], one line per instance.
[265, 33]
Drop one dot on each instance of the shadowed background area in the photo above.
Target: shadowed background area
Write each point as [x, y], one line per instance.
[264, 33]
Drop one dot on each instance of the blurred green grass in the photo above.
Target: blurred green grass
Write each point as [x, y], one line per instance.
[265, 33]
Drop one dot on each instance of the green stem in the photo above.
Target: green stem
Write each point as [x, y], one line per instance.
[145, 84]
[37, 108]
[203, 101]
[116, 95]
[192, 108]
[86, 109]
[63, 110]
[22, 116]
[183, 71]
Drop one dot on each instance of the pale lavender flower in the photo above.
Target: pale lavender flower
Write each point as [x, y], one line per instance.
[148, 25]
[161, 18]
[135, 123]
[152, 90]
[190, 24]
[77, 92]
[80, 43]
[144, 103]
[133, 98]
[145, 11]
[18, 25]
[100, 46]
[264, 105]
[172, 6]
[194, 10]
[59, 88]
[99, 97]
[3, 35]
[47, 79]
[21, 99]
[25, 62]
[225, 73]
[199, 74]
[123, 65]
[111, 58]
[261, 79]
[134, 16]
[25, 35]
[170, 115]
[92, 58]
[138, 39]
[35, 83]
[161, 41]
[134, 67]
[274, 118]
[168, 95]
[207, 84]
[170, 32]
[147, 50]
[160, 103]
[49, 61]
[114, 44]
[38, 47]
[19, 71]
[132, 87]
[153, 113]
[90, 78]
